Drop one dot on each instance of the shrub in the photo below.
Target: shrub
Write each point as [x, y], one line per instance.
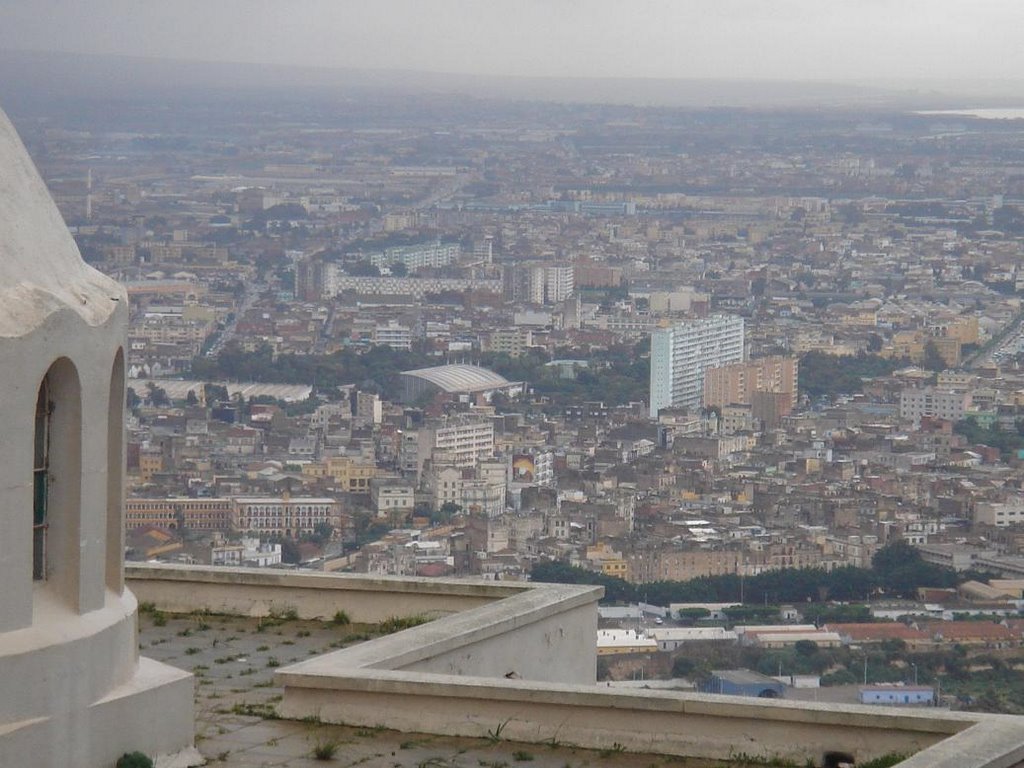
[134, 760]
[325, 750]
[341, 619]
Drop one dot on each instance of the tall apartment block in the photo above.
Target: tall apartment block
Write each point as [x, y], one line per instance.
[738, 382]
[681, 353]
[539, 283]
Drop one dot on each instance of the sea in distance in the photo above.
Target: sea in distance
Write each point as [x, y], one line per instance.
[994, 113]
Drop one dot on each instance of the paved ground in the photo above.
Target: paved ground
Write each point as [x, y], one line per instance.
[234, 659]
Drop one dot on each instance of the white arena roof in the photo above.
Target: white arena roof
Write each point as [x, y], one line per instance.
[460, 378]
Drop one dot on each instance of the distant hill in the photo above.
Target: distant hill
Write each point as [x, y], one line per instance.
[33, 79]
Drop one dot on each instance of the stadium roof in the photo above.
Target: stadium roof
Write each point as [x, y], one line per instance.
[460, 378]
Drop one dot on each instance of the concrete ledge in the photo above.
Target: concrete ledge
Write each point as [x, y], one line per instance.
[262, 591]
[935, 721]
[519, 660]
[503, 620]
[994, 742]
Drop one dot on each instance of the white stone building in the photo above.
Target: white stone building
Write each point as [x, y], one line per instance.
[75, 691]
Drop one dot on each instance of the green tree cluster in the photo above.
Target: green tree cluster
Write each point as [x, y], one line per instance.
[1007, 441]
[822, 374]
[375, 369]
[897, 571]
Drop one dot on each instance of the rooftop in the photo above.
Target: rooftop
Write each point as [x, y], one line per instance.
[503, 672]
[460, 378]
[234, 659]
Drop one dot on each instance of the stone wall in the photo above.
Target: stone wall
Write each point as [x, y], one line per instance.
[519, 660]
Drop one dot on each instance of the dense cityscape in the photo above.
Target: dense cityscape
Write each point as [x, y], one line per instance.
[723, 362]
[437, 384]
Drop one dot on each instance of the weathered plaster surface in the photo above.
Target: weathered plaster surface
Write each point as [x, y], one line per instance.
[41, 270]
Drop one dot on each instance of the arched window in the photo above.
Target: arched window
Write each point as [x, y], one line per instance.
[57, 486]
[41, 480]
[115, 476]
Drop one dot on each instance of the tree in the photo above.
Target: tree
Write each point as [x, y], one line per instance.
[157, 396]
[824, 374]
[683, 666]
[322, 533]
[132, 400]
[692, 615]
[399, 269]
[901, 571]
[447, 510]
[215, 393]
[289, 550]
[191, 398]
[805, 647]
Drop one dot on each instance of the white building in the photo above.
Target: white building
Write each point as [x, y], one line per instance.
[392, 334]
[479, 491]
[336, 281]
[391, 497]
[559, 282]
[947, 404]
[76, 692]
[682, 352]
[461, 441]
[423, 255]
[999, 514]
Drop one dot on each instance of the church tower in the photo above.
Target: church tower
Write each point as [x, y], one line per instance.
[75, 691]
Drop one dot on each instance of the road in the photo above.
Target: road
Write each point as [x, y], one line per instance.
[252, 292]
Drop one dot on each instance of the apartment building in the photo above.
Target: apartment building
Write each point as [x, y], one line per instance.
[681, 353]
[336, 281]
[420, 256]
[392, 334]
[930, 401]
[539, 283]
[481, 490]
[460, 441]
[391, 497]
[737, 382]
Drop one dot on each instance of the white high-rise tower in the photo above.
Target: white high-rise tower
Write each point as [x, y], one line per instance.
[681, 353]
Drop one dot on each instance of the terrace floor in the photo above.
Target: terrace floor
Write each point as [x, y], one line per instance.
[234, 659]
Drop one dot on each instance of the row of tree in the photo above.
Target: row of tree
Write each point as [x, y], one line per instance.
[897, 571]
[616, 376]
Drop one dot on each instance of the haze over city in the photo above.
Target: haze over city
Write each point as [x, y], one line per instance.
[452, 383]
[932, 45]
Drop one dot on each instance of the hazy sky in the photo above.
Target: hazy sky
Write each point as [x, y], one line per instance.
[770, 39]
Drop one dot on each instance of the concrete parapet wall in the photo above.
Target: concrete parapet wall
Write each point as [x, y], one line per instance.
[544, 634]
[262, 591]
[520, 659]
[648, 722]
